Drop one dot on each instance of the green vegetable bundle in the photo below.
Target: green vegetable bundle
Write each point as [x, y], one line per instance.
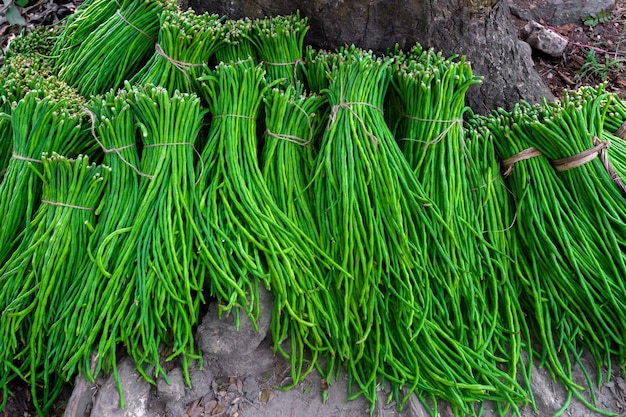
[279, 42]
[160, 301]
[431, 90]
[39, 123]
[376, 222]
[88, 312]
[237, 41]
[186, 42]
[42, 270]
[250, 240]
[115, 49]
[293, 121]
[571, 264]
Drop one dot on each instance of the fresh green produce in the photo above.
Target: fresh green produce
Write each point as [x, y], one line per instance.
[186, 42]
[42, 269]
[115, 48]
[39, 123]
[160, 301]
[237, 41]
[293, 120]
[279, 42]
[573, 264]
[250, 240]
[377, 223]
[87, 312]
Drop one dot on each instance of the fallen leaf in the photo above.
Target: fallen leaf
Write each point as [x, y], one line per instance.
[265, 396]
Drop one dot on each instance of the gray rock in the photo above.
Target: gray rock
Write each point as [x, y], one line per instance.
[559, 12]
[175, 390]
[251, 388]
[135, 388]
[81, 400]
[221, 338]
[544, 40]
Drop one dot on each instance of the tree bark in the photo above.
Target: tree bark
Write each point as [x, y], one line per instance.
[482, 30]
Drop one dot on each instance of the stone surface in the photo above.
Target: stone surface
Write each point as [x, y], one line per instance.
[81, 400]
[559, 12]
[544, 40]
[175, 389]
[481, 30]
[135, 389]
[219, 336]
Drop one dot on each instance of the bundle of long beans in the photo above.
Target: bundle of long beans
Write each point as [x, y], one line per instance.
[88, 310]
[293, 122]
[377, 223]
[316, 68]
[279, 43]
[492, 205]
[42, 270]
[39, 123]
[237, 41]
[570, 267]
[160, 301]
[431, 90]
[115, 49]
[251, 242]
[186, 42]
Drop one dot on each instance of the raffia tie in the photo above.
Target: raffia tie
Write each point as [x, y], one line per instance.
[509, 163]
[180, 65]
[133, 26]
[56, 203]
[452, 123]
[156, 145]
[348, 106]
[599, 150]
[289, 138]
[113, 150]
[284, 64]
[24, 158]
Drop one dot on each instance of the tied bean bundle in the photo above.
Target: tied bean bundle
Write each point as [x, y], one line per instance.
[502, 256]
[115, 49]
[88, 312]
[431, 90]
[45, 267]
[293, 122]
[186, 42]
[567, 267]
[237, 41]
[250, 240]
[376, 222]
[160, 301]
[39, 123]
[279, 42]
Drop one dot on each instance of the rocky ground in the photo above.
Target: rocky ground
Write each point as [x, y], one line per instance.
[240, 376]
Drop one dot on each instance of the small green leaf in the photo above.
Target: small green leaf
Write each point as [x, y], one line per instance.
[13, 15]
[22, 3]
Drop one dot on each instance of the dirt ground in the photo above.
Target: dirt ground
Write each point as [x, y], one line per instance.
[607, 40]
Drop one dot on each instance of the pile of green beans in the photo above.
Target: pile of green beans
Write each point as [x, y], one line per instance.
[42, 269]
[39, 123]
[279, 43]
[88, 312]
[293, 120]
[251, 242]
[115, 49]
[186, 42]
[160, 302]
[237, 41]
[431, 92]
[570, 267]
[377, 223]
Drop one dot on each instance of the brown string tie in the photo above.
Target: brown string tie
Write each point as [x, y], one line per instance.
[289, 138]
[452, 123]
[621, 132]
[348, 106]
[599, 150]
[55, 203]
[24, 158]
[133, 26]
[284, 64]
[180, 65]
[509, 163]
